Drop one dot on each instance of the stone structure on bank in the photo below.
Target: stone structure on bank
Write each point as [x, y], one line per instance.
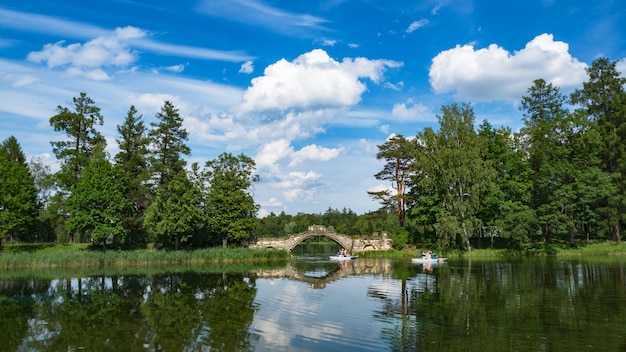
[354, 245]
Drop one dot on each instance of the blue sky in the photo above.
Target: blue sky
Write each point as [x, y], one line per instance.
[306, 88]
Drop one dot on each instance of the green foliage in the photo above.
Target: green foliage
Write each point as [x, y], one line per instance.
[175, 213]
[79, 126]
[18, 196]
[99, 202]
[167, 138]
[230, 207]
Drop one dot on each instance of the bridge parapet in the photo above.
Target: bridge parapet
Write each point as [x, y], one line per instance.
[352, 244]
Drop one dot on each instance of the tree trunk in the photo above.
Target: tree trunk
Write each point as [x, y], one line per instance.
[224, 241]
[571, 228]
[155, 245]
[1, 247]
[617, 237]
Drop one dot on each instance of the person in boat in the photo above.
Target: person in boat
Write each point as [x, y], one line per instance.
[342, 253]
[427, 255]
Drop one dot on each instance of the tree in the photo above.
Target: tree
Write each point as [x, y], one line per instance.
[397, 151]
[133, 159]
[603, 100]
[505, 209]
[167, 138]
[453, 176]
[79, 126]
[175, 212]
[99, 202]
[18, 196]
[230, 207]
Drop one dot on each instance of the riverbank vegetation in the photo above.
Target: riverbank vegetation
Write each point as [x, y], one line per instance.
[82, 255]
[560, 179]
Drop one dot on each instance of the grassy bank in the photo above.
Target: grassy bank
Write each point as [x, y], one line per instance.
[561, 250]
[51, 256]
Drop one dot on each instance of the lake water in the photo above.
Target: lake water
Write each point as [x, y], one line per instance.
[313, 304]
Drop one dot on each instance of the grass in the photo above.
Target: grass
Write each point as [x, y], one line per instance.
[582, 249]
[52, 256]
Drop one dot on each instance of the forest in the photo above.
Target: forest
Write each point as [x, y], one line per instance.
[464, 185]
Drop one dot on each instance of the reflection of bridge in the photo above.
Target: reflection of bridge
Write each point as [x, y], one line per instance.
[361, 266]
[354, 245]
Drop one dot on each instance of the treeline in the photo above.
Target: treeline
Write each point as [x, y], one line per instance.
[144, 194]
[562, 177]
[559, 178]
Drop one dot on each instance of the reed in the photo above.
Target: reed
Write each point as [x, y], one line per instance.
[79, 256]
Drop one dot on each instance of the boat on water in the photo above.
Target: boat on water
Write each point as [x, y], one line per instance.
[422, 260]
[343, 257]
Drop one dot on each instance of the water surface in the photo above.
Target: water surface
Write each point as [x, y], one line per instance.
[313, 304]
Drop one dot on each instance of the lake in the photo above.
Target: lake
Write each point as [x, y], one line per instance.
[313, 304]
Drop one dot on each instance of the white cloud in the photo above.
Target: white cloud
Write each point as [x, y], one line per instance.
[258, 13]
[247, 67]
[328, 42]
[18, 80]
[412, 111]
[89, 58]
[270, 153]
[415, 25]
[621, 67]
[176, 68]
[314, 153]
[312, 81]
[495, 74]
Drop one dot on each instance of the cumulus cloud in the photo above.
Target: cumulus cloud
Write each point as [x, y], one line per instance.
[314, 153]
[415, 25]
[410, 110]
[271, 153]
[247, 67]
[89, 58]
[312, 81]
[493, 73]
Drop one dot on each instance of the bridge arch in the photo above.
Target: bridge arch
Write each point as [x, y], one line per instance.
[318, 231]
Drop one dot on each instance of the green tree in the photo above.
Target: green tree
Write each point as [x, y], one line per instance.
[79, 126]
[18, 196]
[505, 209]
[175, 212]
[99, 202]
[167, 138]
[544, 117]
[133, 158]
[231, 210]
[398, 154]
[452, 170]
[603, 100]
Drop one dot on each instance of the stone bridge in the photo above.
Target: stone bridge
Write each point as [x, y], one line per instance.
[352, 244]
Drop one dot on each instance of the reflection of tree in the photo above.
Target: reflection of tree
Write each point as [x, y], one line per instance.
[171, 316]
[14, 322]
[227, 311]
[89, 317]
[400, 332]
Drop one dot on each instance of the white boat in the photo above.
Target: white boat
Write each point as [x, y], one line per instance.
[342, 257]
[421, 260]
